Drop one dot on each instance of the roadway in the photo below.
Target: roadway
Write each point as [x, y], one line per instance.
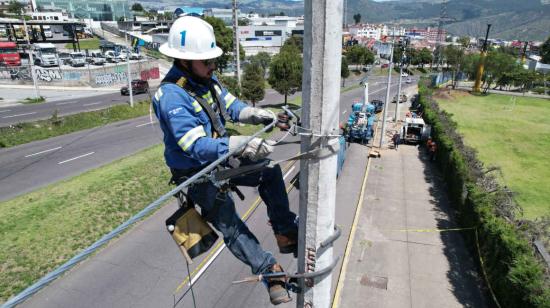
[31, 112]
[30, 166]
[144, 268]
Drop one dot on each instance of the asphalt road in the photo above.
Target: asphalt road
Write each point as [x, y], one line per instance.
[145, 269]
[32, 112]
[30, 166]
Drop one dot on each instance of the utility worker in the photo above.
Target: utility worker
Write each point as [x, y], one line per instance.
[192, 107]
[432, 149]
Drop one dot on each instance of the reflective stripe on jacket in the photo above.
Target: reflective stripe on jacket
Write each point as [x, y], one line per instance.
[188, 138]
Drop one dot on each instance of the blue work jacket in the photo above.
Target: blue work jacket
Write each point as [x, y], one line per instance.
[188, 134]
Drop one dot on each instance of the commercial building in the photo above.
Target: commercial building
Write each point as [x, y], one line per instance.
[99, 10]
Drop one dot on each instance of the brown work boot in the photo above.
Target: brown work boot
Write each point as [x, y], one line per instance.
[288, 243]
[276, 287]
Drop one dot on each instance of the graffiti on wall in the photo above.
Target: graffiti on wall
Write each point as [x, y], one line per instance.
[47, 75]
[110, 78]
[152, 73]
[15, 73]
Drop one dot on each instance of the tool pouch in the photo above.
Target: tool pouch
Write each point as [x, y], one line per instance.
[191, 232]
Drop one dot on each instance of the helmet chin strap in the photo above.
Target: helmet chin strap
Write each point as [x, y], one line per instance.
[186, 66]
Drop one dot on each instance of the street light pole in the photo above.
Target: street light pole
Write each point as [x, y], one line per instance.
[386, 104]
[236, 43]
[31, 60]
[396, 118]
[128, 61]
[321, 98]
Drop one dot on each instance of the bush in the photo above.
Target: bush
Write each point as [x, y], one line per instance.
[517, 276]
[540, 90]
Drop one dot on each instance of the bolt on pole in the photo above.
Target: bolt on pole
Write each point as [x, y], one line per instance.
[321, 98]
[387, 103]
[31, 60]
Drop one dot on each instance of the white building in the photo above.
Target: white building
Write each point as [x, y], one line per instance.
[255, 39]
[52, 16]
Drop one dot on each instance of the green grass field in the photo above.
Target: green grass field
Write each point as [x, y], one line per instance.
[510, 132]
[92, 43]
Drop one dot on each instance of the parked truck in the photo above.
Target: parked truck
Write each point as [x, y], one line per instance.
[45, 54]
[414, 130]
[9, 56]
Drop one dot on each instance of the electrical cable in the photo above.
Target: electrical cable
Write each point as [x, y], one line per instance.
[191, 285]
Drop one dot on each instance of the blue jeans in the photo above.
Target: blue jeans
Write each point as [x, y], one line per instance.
[236, 235]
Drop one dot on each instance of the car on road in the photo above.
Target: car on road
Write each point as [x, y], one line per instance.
[403, 99]
[385, 65]
[138, 86]
[404, 74]
[409, 80]
[378, 105]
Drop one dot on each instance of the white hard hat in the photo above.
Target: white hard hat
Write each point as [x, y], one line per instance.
[191, 38]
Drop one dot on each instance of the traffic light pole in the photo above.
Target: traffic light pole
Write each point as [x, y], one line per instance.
[321, 97]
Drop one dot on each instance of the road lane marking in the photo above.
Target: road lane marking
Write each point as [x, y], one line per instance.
[66, 103]
[71, 159]
[91, 104]
[4, 111]
[289, 172]
[207, 261]
[140, 125]
[18, 115]
[41, 152]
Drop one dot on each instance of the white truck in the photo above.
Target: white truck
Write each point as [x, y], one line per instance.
[414, 130]
[77, 59]
[45, 54]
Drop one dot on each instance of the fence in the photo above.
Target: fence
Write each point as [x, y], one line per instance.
[94, 76]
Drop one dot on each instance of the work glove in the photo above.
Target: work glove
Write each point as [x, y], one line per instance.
[251, 115]
[255, 150]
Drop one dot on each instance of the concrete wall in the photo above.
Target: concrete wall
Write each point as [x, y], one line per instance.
[93, 76]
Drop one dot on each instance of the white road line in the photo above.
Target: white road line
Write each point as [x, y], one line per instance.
[91, 104]
[71, 159]
[205, 267]
[140, 125]
[18, 115]
[4, 111]
[289, 172]
[41, 152]
[65, 103]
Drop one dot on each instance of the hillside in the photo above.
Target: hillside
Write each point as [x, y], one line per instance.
[511, 19]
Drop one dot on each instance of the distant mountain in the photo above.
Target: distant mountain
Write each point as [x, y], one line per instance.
[511, 19]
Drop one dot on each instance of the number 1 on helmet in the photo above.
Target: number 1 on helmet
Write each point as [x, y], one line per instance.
[183, 38]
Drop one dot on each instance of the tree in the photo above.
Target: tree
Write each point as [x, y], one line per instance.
[224, 39]
[263, 59]
[231, 84]
[464, 41]
[285, 71]
[15, 7]
[545, 51]
[359, 55]
[296, 41]
[357, 18]
[136, 7]
[243, 21]
[496, 64]
[454, 57]
[253, 83]
[344, 71]
[425, 56]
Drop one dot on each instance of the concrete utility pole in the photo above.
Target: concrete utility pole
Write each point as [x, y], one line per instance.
[399, 84]
[236, 44]
[31, 60]
[387, 103]
[321, 96]
[366, 92]
[128, 61]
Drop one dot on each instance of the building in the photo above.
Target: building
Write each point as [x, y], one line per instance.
[224, 14]
[56, 16]
[269, 39]
[98, 10]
